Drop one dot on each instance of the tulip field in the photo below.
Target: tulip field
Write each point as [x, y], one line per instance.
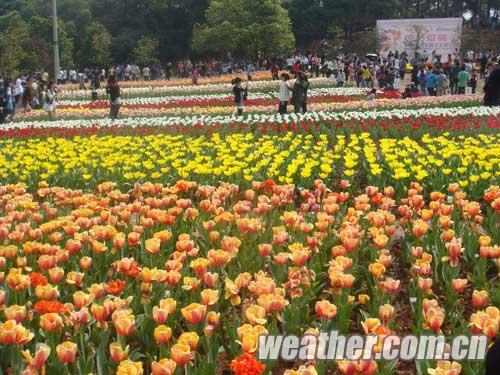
[165, 242]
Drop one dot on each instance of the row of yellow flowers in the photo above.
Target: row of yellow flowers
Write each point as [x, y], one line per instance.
[288, 158]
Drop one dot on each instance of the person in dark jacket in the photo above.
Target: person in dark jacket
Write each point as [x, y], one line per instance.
[240, 95]
[493, 359]
[113, 90]
[95, 84]
[454, 71]
[492, 88]
[299, 93]
[28, 95]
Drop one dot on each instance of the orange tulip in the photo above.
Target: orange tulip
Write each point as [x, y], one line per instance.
[348, 367]
[434, 319]
[56, 274]
[162, 334]
[210, 279]
[325, 309]
[209, 297]
[472, 209]
[363, 299]
[100, 312]
[164, 236]
[191, 339]
[117, 353]
[248, 337]
[367, 367]
[14, 333]
[255, 314]
[190, 283]
[16, 280]
[128, 367]
[491, 327]
[194, 313]
[212, 322]
[371, 325]
[425, 284]
[386, 312]
[446, 368]
[15, 312]
[426, 215]
[86, 263]
[51, 322]
[163, 367]
[265, 249]
[199, 266]
[420, 228]
[46, 262]
[391, 285]
[38, 360]
[75, 278]
[81, 299]
[152, 245]
[184, 243]
[124, 324]
[381, 241]
[66, 352]
[119, 241]
[479, 298]
[181, 354]
[459, 285]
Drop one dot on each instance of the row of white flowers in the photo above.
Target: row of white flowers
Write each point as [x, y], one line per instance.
[185, 89]
[193, 99]
[317, 117]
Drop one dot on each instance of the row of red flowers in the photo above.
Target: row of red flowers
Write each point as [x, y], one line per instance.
[406, 124]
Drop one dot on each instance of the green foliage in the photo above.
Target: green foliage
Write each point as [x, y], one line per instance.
[13, 42]
[101, 32]
[314, 19]
[168, 21]
[99, 41]
[145, 51]
[244, 27]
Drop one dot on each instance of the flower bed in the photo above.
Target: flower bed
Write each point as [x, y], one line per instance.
[290, 157]
[186, 276]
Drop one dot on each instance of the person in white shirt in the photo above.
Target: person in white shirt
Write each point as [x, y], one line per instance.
[18, 90]
[340, 78]
[372, 95]
[334, 66]
[284, 96]
[60, 77]
[305, 63]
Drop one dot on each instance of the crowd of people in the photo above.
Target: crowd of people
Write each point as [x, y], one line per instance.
[428, 75]
[33, 93]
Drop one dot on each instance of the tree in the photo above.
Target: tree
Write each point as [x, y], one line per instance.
[145, 51]
[39, 51]
[14, 38]
[65, 46]
[168, 21]
[244, 27]
[310, 20]
[96, 46]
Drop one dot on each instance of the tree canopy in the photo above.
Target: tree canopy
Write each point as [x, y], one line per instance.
[100, 32]
[245, 28]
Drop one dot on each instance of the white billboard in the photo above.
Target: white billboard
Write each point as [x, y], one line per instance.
[442, 35]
